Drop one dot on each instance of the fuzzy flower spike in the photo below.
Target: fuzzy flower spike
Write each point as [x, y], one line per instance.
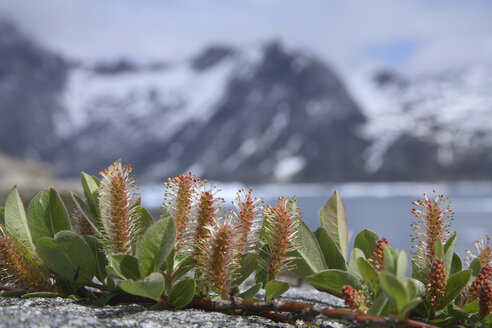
[247, 220]
[280, 226]
[434, 218]
[483, 251]
[117, 201]
[17, 269]
[179, 200]
[208, 207]
[221, 263]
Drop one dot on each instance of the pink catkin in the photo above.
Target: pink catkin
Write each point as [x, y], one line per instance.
[436, 285]
[378, 256]
[485, 299]
[281, 224]
[220, 263]
[207, 208]
[485, 274]
[179, 200]
[247, 210]
[117, 207]
[434, 220]
[23, 273]
[354, 299]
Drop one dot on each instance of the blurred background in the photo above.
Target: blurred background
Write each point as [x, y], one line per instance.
[383, 100]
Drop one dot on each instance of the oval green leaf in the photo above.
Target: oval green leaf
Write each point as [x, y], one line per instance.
[47, 215]
[454, 286]
[152, 286]
[352, 266]
[448, 253]
[456, 264]
[126, 266]
[311, 258]
[101, 259]
[251, 292]
[333, 280]
[90, 184]
[157, 243]
[16, 219]
[333, 218]
[247, 265]
[368, 273]
[69, 256]
[333, 258]
[394, 289]
[275, 288]
[182, 293]
[366, 241]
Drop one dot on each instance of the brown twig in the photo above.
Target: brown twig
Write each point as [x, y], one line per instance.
[10, 289]
[278, 305]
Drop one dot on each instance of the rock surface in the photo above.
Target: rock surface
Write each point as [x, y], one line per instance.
[59, 312]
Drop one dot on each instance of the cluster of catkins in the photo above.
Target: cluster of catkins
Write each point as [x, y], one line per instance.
[217, 239]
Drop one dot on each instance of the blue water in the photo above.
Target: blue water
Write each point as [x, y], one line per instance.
[382, 207]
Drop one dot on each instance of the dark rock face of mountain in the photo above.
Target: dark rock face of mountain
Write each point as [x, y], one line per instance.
[286, 120]
[31, 80]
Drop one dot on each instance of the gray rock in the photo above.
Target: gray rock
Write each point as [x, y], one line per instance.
[59, 312]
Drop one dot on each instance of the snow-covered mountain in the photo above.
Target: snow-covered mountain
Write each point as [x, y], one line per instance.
[262, 113]
[435, 125]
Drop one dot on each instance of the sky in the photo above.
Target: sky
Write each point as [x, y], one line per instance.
[413, 36]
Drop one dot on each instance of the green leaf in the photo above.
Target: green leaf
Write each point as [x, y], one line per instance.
[394, 289]
[41, 295]
[151, 287]
[90, 184]
[126, 266]
[438, 248]
[101, 260]
[473, 307]
[68, 255]
[333, 258]
[390, 259]
[275, 288]
[333, 218]
[247, 265]
[145, 219]
[352, 266]
[366, 241]
[47, 215]
[260, 273]
[454, 286]
[333, 280]
[311, 258]
[182, 293]
[449, 252]
[183, 267]
[409, 306]
[414, 287]
[251, 292]
[475, 266]
[368, 273]
[456, 264]
[401, 265]
[2, 216]
[157, 243]
[380, 304]
[16, 220]
[84, 209]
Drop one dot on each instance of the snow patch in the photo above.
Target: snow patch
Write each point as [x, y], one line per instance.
[288, 167]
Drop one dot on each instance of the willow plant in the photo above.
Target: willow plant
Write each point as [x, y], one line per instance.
[200, 255]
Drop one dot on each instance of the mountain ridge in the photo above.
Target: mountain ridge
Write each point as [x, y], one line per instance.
[265, 113]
